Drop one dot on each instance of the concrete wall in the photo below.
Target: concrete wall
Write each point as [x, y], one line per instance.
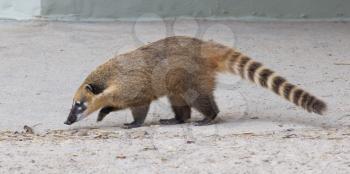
[119, 9]
[131, 9]
[19, 9]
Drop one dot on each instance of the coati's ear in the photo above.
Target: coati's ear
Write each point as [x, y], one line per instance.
[93, 89]
[89, 88]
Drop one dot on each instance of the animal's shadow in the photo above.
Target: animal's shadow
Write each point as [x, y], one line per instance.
[305, 120]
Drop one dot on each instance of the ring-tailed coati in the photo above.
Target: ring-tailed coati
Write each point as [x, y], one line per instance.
[183, 69]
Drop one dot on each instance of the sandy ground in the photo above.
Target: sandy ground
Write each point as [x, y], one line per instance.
[42, 64]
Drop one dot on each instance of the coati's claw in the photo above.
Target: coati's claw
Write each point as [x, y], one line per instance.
[99, 119]
[131, 125]
[171, 121]
[203, 122]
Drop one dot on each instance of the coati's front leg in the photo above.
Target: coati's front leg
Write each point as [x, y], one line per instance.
[181, 109]
[139, 113]
[104, 112]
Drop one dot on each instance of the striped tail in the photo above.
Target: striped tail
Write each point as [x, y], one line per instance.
[254, 71]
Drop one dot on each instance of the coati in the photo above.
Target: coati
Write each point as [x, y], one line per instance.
[183, 69]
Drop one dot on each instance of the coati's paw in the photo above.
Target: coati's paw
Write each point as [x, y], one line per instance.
[101, 116]
[204, 122]
[131, 125]
[99, 119]
[171, 121]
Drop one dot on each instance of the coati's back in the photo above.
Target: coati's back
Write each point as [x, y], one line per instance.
[171, 65]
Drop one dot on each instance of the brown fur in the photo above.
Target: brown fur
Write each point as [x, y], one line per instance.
[184, 69]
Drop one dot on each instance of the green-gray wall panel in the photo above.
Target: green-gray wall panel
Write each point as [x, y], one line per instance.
[117, 9]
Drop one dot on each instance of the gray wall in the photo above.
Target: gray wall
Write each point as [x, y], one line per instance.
[131, 9]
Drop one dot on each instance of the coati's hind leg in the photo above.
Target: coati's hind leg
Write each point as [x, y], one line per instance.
[206, 105]
[139, 113]
[182, 113]
[181, 109]
[105, 111]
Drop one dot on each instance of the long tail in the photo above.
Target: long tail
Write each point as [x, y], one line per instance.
[249, 69]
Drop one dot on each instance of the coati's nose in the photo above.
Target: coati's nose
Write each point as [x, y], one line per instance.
[72, 117]
[76, 113]
[67, 122]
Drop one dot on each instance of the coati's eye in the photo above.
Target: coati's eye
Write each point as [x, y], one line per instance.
[76, 103]
[78, 107]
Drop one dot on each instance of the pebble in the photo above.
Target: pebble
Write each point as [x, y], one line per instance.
[190, 142]
[290, 129]
[82, 132]
[120, 157]
[139, 134]
[73, 132]
[28, 129]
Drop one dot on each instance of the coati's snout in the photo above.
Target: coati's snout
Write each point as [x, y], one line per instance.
[81, 101]
[76, 113]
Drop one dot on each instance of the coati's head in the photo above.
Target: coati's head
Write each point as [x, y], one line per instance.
[82, 103]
